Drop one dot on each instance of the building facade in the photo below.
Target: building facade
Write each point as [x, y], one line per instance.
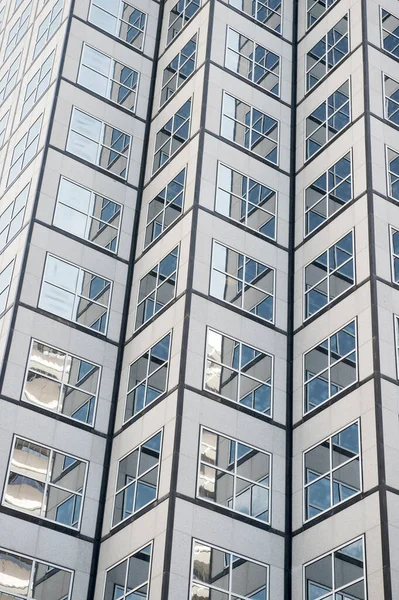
[199, 301]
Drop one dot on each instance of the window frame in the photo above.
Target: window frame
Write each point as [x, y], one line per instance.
[45, 563]
[100, 144]
[156, 288]
[5, 119]
[328, 367]
[127, 558]
[183, 14]
[79, 268]
[40, 119]
[331, 553]
[40, 80]
[328, 193]
[223, 115]
[148, 375]
[176, 74]
[7, 77]
[245, 224]
[243, 282]
[12, 206]
[119, 20]
[396, 340]
[264, 4]
[234, 475]
[381, 30]
[328, 118]
[167, 204]
[228, 592]
[18, 22]
[255, 45]
[113, 62]
[8, 286]
[126, 485]
[62, 383]
[329, 274]
[47, 485]
[332, 470]
[388, 172]
[386, 98]
[393, 230]
[89, 217]
[238, 371]
[327, 50]
[157, 169]
[46, 32]
[309, 27]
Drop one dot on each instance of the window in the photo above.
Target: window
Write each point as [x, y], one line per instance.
[328, 194]
[37, 85]
[148, 377]
[267, 12]
[48, 27]
[2, 15]
[242, 281]
[26, 578]
[239, 372]
[178, 70]
[75, 294]
[328, 119]
[165, 208]
[316, 9]
[99, 143]
[137, 481]
[108, 78]
[18, 30]
[234, 475]
[120, 19]
[396, 325]
[180, 15]
[391, 93]
[9, 79]
[393, 173]
[172, 135]
[395, 254]
[246, 201]
[327, 53]
[332, 471]
[329, 275]
[157, 288]
[253, 61]
[45, 483]
[250, 128]
[87, 215]
[217, 573]
[25, 150]
[338, 574]
[61, 382]
[11, 219]
[330, 367]
[5, 282]
[390, 33]
[130, 578]
[3, 127]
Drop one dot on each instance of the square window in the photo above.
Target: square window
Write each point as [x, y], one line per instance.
[75, 294]
[61, 382]
[234, 475]
[45, 483]
[238, 372]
